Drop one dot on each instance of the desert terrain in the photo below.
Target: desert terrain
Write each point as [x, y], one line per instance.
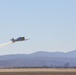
[38, 71]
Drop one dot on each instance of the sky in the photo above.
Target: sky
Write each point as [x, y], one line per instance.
[49, 24]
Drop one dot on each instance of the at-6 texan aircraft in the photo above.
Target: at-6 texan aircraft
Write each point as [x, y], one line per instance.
[13, 41]
[18, 39]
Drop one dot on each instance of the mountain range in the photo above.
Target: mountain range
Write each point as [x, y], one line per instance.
[39, 59]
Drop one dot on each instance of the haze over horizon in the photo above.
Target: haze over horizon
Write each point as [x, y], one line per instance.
[50, 25]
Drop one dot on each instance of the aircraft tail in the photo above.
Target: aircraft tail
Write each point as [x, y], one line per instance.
[13, 40]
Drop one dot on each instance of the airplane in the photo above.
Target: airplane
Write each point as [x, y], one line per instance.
[18, 39]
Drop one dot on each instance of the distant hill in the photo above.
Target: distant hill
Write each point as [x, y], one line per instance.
[39, 59]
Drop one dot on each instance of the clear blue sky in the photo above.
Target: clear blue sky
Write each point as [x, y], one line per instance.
[50, 25]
